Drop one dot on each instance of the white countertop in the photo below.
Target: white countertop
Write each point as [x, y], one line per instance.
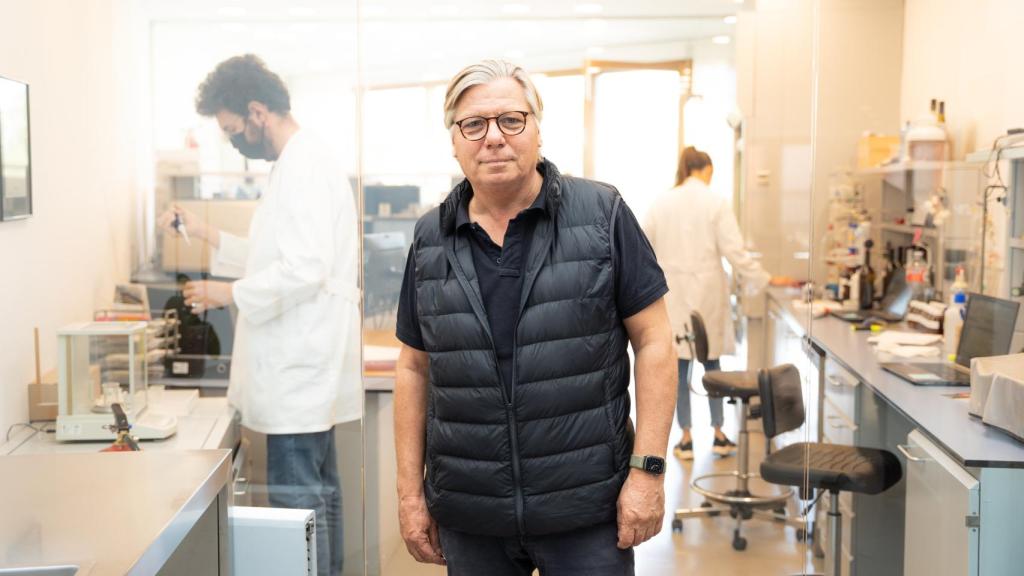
[931, 408]
[212, 424]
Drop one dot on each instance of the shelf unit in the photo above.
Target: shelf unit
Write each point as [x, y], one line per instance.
[1004, 227]
[897, 198]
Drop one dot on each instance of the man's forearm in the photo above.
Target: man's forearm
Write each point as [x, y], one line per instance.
[656, 374]
[410, 429]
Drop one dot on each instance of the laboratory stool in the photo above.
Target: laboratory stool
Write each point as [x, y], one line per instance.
[816, 466]
[740, 503]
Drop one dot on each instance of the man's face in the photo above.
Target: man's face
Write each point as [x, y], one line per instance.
[497, 159]
[247, 137]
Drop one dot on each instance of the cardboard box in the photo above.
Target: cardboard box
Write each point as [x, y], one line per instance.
[42, 398]
[873, 150]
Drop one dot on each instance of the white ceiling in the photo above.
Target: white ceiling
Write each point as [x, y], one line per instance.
[439, 9]
[415, 41]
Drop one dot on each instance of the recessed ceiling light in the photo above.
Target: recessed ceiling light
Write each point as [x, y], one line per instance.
[723, 39]
[301, 11]
[729, 19]
[515, 8]
[589, 8]
[232, 11]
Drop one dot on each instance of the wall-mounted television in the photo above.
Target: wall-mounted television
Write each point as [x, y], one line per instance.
[15, 151]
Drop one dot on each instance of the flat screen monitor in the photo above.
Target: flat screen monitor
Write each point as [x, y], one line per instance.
[15, 151]
[988, 328]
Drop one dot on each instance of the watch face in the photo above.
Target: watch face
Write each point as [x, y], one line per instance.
[654, 465]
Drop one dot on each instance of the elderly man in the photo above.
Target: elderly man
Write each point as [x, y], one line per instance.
[514, 443]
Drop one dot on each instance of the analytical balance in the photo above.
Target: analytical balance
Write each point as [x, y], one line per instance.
[101, 364]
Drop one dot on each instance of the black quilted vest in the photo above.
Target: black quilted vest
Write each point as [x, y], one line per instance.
[553, 455]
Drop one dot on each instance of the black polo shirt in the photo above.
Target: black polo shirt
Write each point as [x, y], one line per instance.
[500, 271]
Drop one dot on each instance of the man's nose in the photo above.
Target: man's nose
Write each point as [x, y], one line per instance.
[494, 135]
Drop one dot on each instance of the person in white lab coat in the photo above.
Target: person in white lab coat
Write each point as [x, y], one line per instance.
[691, 229]
[295, 370]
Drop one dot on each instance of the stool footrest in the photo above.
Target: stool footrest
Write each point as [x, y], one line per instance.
[733, 497]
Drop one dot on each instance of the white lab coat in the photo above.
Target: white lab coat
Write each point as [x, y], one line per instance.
[691, 229]
[296, 361]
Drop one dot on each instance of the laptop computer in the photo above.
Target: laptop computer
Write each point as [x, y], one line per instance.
[987, 331]
[893, 306]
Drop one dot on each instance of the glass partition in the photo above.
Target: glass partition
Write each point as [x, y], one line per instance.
[274, 219]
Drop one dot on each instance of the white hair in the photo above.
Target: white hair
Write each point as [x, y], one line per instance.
[485, 72]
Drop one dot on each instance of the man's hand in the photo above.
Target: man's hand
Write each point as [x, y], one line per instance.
[641, 508]
[194, 224]
[419, 530]
[203, 295]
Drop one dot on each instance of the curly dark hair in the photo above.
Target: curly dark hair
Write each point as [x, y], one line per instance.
[239, 80]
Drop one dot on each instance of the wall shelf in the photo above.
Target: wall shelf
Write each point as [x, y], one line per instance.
[910, 229]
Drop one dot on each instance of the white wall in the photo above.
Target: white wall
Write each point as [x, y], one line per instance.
[860, 46]
[774, 89]
[966, 52]
[64, 261]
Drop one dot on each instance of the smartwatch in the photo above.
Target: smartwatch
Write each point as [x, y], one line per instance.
[650, 464]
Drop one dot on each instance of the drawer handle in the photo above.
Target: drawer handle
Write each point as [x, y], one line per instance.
[904, 449]
[245, 487]
[841, 425]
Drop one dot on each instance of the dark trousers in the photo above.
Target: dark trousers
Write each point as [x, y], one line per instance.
[584, 552]
[302, 472]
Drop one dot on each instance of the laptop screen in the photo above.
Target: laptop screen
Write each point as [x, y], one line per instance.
[897, 295]
[988, 328]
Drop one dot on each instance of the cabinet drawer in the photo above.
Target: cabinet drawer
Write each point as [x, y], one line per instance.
[839, 427]
[841, 388]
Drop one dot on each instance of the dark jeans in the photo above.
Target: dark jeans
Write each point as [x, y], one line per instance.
[302, 472]
[585, 552]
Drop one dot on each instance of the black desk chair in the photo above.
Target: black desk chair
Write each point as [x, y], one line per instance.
[816, 466]
[739, 388]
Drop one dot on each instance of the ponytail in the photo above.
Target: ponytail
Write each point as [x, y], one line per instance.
[691, 161]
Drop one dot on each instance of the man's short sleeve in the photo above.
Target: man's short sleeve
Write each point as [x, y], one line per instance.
[408, 329]
[639, 279]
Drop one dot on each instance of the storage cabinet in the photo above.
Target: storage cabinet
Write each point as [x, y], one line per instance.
[943, 512]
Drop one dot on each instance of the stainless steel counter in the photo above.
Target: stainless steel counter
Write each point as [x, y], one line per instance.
[931, 408]
[110, 513]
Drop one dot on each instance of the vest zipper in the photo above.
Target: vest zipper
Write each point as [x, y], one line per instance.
[514, 428]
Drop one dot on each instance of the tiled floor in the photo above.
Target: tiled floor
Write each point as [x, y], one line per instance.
[705, 545]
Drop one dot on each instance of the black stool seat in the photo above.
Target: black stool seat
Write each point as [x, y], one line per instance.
[833, 467]
[731, 384]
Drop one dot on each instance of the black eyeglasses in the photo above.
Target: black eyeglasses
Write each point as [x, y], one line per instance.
[475, 127]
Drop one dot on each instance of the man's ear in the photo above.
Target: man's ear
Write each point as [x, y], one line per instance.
[259, 111]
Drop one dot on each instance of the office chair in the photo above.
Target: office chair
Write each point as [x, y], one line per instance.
[816, 466]
[740, 503]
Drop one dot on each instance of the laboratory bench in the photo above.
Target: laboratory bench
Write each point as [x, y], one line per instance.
[106, 514]
[960, 503]
[209, 424]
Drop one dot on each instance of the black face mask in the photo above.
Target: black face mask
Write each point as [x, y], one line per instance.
[251, 151]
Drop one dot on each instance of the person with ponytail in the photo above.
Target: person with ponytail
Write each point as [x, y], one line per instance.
[691, 229]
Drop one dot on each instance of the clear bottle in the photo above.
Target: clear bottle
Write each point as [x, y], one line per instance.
[952, 324]
[917, 274]
[959, 285]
